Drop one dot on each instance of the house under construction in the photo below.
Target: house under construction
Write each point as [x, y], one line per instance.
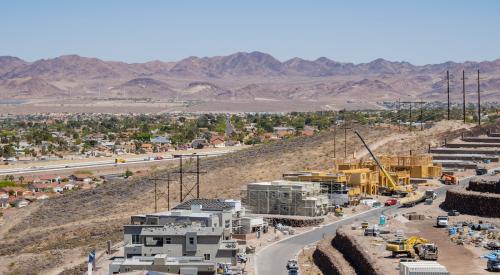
[283, 197]
[332, 183]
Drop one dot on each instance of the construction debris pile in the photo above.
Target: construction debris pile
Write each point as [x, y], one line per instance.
[477, 234]
[294, 221]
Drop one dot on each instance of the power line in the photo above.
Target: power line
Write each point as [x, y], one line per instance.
[184, 195]
[463, 93]
[448, 78]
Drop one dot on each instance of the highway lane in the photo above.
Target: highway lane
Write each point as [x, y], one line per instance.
[272, 259]
[96, 164]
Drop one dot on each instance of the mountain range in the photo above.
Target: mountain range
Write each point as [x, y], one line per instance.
[241, 77]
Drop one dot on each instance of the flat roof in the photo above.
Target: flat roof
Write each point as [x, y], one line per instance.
[284, 183]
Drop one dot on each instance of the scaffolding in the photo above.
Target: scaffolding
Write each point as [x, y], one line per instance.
[286, 198]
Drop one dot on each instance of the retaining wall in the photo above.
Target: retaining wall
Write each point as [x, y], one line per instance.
[473, 203]
[361, 261]
[329, 260]
[485, 184]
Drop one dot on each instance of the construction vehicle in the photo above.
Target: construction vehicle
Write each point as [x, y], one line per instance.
[412, 199]
[339, 211]
[412, 247]
[393, 188]
[120, 161]
[448, 179]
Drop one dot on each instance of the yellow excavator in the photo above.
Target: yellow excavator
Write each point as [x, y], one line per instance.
[412, 247]
[393, 188]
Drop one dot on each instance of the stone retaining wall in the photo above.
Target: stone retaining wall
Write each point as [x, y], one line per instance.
[473, 203]
[361, 261]
[329, 260]
[485, 184]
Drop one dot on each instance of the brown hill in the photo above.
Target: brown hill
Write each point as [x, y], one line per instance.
[244, 76]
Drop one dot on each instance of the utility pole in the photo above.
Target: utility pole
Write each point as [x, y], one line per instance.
[448, 78]
[399, 114]
[180, 177]
[168, 191]
[334, 142]
[345, 142]
[411, 107]
[197, 176]
[478, 100]
[463, 94]
[181, 171]
[422, 115]
[410, 118]
[156, 197]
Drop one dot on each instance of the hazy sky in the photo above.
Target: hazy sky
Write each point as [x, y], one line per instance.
[357, 31]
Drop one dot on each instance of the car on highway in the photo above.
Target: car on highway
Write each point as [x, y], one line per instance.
[391, 202]
[158, 158]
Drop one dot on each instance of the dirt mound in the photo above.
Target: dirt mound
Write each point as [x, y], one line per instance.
[472, 203]
[330, 260]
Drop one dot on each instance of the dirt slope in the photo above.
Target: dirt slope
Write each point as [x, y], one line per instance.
[86, 219]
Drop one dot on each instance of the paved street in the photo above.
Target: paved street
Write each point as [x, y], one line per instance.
[272, 259]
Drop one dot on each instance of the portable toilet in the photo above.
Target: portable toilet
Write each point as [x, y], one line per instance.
[382, 220]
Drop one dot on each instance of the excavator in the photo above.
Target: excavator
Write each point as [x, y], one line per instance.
[412, 247]
[448, 179]
[393, 188]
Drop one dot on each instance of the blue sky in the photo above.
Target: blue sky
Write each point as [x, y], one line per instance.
[420, 32]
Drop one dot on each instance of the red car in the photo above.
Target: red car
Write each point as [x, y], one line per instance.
[158, 158]
[390, 202]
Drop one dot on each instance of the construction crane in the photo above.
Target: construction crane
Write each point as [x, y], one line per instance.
[412, 247]
[393, 187]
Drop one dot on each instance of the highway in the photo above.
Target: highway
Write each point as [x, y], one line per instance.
[96, 164]
[271, 260]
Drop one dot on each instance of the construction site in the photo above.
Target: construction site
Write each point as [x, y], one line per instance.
[364, 214]
[453, 231]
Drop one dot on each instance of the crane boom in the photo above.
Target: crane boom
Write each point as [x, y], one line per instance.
[392, 184]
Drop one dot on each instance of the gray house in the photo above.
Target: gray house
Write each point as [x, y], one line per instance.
[181, 238]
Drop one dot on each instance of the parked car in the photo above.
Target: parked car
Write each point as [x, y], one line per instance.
[493, 265]
[442, 221]
[391, 202]
[453, 213]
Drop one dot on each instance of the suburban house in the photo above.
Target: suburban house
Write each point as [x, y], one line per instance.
[199, 143]
[147, 147]
[170, 241]
[160, 140]
[217, 141]
[4, 203]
